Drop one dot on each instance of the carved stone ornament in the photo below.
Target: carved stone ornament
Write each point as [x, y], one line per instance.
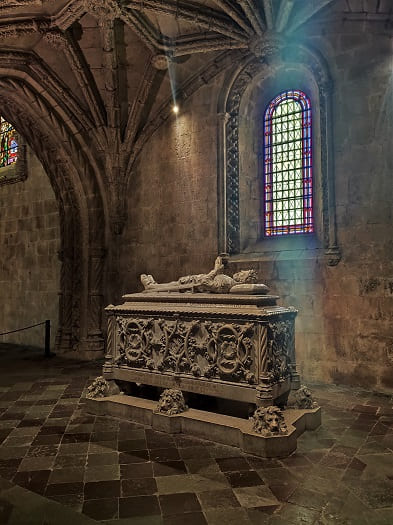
[213, 282]
[171, 402]
[269, 422]
[304, 399]
[281, 335]
[266, 47]
[196, 348]
[160, 62]
[103, 9]
[100, 387]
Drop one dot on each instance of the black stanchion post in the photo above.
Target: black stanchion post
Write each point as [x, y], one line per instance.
[48, 353]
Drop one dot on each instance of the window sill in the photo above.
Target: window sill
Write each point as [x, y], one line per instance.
[280, 255]
[330, 256]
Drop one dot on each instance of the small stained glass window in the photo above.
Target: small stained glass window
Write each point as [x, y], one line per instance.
[8, 144]
[288, 194]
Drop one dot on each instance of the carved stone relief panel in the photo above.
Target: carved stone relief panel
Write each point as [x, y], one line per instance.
[215, 350]
[230, 351]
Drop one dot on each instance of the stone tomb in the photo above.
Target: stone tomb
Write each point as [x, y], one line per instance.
[214, 335]
[231, 346]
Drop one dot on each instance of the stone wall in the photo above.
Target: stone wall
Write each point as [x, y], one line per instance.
[172, 210]
[345, 321]
[29, 266]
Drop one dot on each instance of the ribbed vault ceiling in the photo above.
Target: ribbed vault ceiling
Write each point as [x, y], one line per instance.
[102, 73]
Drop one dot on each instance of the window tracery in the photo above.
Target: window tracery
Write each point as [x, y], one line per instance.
[8, 143]
[288, 185]
[13, 156]
[241, 105]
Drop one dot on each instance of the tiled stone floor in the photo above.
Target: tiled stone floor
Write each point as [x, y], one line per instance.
[60, 465]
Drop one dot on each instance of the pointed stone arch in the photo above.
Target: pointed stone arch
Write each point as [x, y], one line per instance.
[237, 83]
[82, 216]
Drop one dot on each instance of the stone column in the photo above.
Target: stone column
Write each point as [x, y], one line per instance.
[264, 391]
[94, 343]
[64, 332]
[110, 344]
[295, 377]
[222, 229]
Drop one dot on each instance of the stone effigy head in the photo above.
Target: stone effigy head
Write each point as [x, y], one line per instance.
[269, 421]
[246, 276]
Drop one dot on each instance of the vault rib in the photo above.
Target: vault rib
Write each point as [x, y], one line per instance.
[284, 13]
[205, 46]
[207, 18]
[268, 10]
[253, 15]
[84, 78]
[304, 14]
[234, 14]
[137, 107]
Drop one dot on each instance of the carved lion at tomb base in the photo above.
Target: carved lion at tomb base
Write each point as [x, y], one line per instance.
[304, 399]
[100, 387]
[171, 402]
[269, 421]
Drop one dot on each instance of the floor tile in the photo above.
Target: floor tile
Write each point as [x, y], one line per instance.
[231, 516]
[190, 483]
[233, 464]
[102, 489]
[102, 509]
[247, 478]
[67, 475]
[179, 504]
[35, 481]
[77, 460]
[257, 496]
[59, 489]
[138, 487]
[193, 518]
[102, 473]
[218, 499]
[95, 460]
[139, 506]
[36, 463]
[136, 456]
[169, 468]
[166, 454]
[137, 470]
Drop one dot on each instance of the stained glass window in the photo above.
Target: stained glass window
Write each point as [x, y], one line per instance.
[8, 144]
[288, 199]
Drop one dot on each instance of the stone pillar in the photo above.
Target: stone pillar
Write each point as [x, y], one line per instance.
[264, 391]
[295, 377]
[110, 344]
[221, 138]
[93, 344]
[64, 332]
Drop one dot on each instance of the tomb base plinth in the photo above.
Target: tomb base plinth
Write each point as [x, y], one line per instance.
[215, 427]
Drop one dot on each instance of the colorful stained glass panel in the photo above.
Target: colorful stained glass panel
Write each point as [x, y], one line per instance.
[288, 203]
[8, 144]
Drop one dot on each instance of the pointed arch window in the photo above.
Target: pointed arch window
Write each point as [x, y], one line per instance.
[8, 144]
[288, 184]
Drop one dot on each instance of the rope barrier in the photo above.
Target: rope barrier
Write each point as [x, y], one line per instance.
[25, 328]
[47, 353]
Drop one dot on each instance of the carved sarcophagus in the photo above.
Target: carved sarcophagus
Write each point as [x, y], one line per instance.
[232, 346]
